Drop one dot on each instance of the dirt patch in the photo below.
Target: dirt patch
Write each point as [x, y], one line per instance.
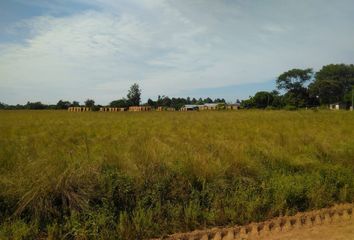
[336, 223]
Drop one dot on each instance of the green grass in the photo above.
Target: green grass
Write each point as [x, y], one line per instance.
[138, 175]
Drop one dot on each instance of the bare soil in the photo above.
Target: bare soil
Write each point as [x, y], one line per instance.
[336, 223]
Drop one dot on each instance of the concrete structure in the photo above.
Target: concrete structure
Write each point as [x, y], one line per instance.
[190, 107]
[233, 106]
[110, 109]
[210, 106]
[139, 108]
[79, 109]
[169, 109]
[336, 106]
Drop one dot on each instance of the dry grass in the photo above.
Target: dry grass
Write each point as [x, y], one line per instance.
[127, 175]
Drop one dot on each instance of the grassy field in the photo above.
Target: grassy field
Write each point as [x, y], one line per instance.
[136, 175]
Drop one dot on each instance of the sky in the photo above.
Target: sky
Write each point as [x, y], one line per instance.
[79, 49]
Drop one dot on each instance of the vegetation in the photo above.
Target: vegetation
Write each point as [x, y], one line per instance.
[97, 175]
[90, 103]
[333, 84]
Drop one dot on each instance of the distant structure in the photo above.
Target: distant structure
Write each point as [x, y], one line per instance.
[110, 109]
[210, 106]
[140, 108]
[79, 109]
[336, 106]
[233, 106]
[190, 107]
[169, 109]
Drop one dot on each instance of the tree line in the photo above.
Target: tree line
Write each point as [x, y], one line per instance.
[296, 88]
[332, 84]
[133, 99]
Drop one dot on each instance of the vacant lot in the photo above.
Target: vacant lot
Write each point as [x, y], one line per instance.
[135, 175]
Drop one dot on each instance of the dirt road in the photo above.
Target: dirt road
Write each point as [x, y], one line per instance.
[336, 223]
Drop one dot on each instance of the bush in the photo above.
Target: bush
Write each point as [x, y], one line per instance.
[290, 108]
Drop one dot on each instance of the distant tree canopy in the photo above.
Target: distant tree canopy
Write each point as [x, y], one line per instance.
[293, 82]
[63, 104]
[90, 103]
[75, 104]
[294, 79]
[177, 103]
[263, 99]
[333, 82]
[35, 106]
[134, 95]
[120, 103]
[300, 88]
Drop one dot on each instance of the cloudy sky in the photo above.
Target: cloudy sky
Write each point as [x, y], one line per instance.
[78, 49]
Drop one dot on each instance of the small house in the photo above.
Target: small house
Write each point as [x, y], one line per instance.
[190, 107]
[139, 108]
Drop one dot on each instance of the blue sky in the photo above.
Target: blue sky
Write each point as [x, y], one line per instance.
[79, 49]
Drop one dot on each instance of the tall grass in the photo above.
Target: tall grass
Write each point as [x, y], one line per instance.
[137, 175]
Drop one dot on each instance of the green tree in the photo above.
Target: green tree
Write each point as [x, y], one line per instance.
[208, 100]
[63, 104]
[263, 99]
[35, 105]
[151, 103]
[120, 103]
[75, 104]
[293, 82]
[90, 103]
[332, 83]
[134, 95]
[248, 103]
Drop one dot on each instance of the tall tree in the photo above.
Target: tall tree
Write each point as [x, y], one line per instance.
[134, 95]
[293, 82]
[35, 105]
[63, 104]
[120, 103]
[332, 83]
[90, 103]
[263, 99]
[294, 79]
[75, 104]
[151, 102]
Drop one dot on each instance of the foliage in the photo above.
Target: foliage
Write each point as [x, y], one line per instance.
[333, 82]
[35, 106]
[2, 105]
[293, 82]
[63, 104]
[263, 99]
[119, 176]
[90, 103]
[134, 95]
[120, 103]
[294, 79]
[75, 104]
[178, 103]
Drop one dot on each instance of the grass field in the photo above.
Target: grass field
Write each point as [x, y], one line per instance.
[136, 175]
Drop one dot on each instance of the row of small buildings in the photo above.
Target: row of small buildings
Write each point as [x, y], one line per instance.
[210, 106]
[190, 107]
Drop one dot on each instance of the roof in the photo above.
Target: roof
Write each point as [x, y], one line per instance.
[211, 104]
[191, 106]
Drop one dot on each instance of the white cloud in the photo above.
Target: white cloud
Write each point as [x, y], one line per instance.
[166, 46]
